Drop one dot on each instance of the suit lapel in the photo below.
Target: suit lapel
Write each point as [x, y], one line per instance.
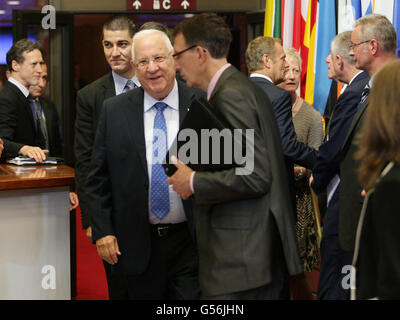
[355, 121]
[226, 74]
[23, 101]
[186, 97]
[109, 87]
[135, 123]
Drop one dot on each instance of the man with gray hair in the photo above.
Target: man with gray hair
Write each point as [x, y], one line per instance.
[341, 67]
[373, 44]
[140, 225]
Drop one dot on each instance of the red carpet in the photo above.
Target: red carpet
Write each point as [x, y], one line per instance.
[91, 278]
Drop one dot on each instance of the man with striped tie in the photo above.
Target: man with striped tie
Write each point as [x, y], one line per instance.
[140, 225]
[117, 41]
[374, 43]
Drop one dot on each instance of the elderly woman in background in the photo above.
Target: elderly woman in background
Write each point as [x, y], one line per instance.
[309, 130]
[377, 249]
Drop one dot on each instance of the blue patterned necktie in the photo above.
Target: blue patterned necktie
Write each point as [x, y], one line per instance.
[159, 193]
[129, 86]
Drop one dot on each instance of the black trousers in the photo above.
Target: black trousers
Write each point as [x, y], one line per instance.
[172, 273]
[117, 289]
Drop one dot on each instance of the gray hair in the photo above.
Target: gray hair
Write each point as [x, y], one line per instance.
[256, 50]
[294, 55]
[377, 26]
[340, 45]
[145, 33]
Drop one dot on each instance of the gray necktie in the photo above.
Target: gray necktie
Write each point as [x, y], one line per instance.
[129, 86]
[41, 123]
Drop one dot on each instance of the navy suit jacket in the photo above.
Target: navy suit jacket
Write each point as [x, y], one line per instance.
[292, 148]
[329, 155]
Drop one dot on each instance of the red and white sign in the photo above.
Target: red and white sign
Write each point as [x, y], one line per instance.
[161, 5]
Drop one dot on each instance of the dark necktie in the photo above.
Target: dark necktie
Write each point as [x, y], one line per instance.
[159, 193]
[40, 124]
[364, 94]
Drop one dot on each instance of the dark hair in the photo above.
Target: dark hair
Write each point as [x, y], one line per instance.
[17, 51]
[207, 30]
[117, 23]
[152, 25]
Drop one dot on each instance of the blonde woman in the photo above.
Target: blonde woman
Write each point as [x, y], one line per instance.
[309, 130]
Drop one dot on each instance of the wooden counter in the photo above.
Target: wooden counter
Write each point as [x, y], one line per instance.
[35, 232]
[14, 177]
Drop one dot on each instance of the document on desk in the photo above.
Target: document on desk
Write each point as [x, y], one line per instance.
[26, 161]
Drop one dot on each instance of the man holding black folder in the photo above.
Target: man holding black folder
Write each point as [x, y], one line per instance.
[240, 220]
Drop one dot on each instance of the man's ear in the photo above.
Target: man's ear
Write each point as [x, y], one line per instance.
[202, 53]
[373, 46]
[14, 65]
[266, 61]
[339, 62]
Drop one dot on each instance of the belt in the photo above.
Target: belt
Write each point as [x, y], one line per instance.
[163, 230]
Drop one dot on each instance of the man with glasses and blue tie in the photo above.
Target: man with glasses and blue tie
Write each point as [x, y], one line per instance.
[140, 225]
[117, 40]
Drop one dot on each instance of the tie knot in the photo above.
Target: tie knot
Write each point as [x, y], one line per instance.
[129, 85]
[160, 106]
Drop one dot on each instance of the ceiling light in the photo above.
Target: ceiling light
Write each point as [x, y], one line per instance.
[13, 3]
[2, 11]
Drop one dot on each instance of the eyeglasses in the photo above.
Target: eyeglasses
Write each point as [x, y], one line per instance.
[176, 54]
[354, 45]
[157, 59]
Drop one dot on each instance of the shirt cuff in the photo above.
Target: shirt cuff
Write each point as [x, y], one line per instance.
[191, 181]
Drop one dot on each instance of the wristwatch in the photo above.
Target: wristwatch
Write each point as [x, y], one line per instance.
[300, 173]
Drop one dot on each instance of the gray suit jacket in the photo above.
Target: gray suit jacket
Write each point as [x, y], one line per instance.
[244, 223]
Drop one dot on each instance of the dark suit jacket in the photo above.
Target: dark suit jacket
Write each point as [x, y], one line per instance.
[350, 199]
[89, 105]
[329, 156]
[53, 127]
[296, 151]
[377, 271]
[118, 184]
[17, 127]
[244, 226]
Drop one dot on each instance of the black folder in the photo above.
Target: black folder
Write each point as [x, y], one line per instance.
[202, 116]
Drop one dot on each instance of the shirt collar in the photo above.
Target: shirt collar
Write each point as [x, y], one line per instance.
[120, 82]
[21, 87]
[259, 75]
[214, 80]
[172, 100]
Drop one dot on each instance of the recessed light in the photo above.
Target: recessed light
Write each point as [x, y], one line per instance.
[2, 11]
[13, 3]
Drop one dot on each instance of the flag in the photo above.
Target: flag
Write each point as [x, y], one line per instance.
[287, 14]
[269, 18]
[310, 41]
[396, 23]
[326, 32]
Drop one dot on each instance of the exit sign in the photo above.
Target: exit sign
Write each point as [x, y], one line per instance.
[161, 5]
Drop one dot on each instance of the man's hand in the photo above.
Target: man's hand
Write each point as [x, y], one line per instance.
[107, 248]
[311, 180]
[1, 146]
[34, 152]
[89, 233]
[180, 180]
[73, 201]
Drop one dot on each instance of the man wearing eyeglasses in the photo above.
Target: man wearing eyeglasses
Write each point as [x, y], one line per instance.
[240, 219]
[373, 45]
[140, 225]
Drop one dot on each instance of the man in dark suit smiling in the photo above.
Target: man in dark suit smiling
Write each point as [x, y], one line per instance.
[140, 225]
